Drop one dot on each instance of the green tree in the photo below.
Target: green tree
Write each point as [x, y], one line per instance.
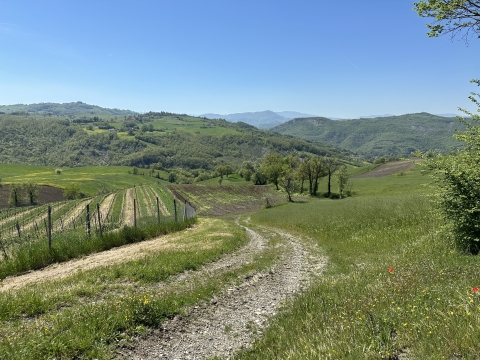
[331, 166]
[289, 180]
[272, 167]
[246, 171]
[313, 170]
[31, 190]
[15, 198]
[220, 171]
[258, 177]
[454, 17]
[72, 191]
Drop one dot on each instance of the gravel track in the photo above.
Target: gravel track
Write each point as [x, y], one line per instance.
[233, 320]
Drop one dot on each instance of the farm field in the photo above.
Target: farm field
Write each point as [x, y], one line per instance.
[368, 276]
[215, 200]
[91, 179]
[183, 123]
[25, 230]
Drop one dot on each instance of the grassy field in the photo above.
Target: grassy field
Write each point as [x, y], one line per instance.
[394, 285]
[91, 179]
[168, 124]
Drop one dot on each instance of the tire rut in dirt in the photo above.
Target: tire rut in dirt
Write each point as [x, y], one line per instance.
[236, 318]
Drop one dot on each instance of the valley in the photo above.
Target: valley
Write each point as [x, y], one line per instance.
[250, 275]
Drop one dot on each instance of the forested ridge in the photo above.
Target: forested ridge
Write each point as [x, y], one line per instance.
[50, 109]
[377, 137]
[141, 140]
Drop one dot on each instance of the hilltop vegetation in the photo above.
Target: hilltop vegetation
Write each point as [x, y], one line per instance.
[377, 137]
[50, 109]
[162, 139]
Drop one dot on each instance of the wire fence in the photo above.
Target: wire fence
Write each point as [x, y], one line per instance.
[91, 216]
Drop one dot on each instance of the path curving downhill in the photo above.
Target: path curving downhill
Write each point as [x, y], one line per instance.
[233, 320]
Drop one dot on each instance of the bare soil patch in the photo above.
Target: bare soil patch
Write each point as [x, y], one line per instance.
[46, 195]
[387, 169]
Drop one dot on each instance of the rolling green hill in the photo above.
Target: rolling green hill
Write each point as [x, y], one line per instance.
[50, 109]
[376, 137]
[140, 140]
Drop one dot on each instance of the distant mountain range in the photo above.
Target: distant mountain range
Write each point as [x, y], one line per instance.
[380, 136]
[260, 119]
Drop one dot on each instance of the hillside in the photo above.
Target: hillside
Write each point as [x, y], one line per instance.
[65, 109]
[172, 140]
[376, 137]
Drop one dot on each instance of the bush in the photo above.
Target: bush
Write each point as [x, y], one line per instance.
[457, 180]
[72, 191]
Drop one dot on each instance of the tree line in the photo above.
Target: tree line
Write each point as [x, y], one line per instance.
[291, 173]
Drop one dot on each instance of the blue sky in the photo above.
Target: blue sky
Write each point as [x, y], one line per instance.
[343, 58]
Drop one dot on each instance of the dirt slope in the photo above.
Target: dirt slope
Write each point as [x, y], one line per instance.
[387, 169]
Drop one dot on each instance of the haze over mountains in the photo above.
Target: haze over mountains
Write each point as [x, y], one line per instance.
[260, 119]
[269, 119]
[371, 136]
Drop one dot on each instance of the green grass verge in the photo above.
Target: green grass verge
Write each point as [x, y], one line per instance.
[66, 246]
[358, 309]
[91, 313]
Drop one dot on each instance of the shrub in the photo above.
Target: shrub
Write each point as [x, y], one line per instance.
[457, 180]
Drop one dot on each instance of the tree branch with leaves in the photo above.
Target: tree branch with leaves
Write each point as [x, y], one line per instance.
[455, 17]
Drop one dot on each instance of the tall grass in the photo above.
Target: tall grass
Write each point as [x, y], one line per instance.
[66, 246]
[393, 285]
[89, 314]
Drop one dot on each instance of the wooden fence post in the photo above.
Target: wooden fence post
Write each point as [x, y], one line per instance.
[49, 227]
[17, 225]
[87, 220]
[99, 221]
[175, 208]
[158, 211]
[135, 212]
[3, 250]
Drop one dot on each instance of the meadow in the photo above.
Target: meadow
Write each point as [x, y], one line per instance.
[395, 287]
[91, 179]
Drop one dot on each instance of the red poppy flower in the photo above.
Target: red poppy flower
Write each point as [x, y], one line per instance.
[475, 289]
[390, 269]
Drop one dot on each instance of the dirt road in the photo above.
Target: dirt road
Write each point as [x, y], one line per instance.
[233, 320]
